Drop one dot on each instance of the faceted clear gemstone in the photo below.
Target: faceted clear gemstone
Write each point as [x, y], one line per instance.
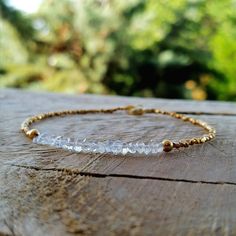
[78, 148]
[51, 139]
[46, 139]
[38, 139]
[147, 149]
[78, 145]
[125, 150]
[93, 147]
[160, 148]
[140, 147]
[101, 147]
[57, 141]
[86, 146]
[131, 148]
[43, 139]
[63, 142]
[156, 148]
[116, 147]
[108, 145]
[35, 139]
[68, 144]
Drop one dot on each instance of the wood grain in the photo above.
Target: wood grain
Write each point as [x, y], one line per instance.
[46, 191]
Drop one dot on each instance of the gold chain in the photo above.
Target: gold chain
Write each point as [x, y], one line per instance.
[167, 144]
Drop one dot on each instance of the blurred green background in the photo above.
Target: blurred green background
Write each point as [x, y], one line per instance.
[153, 48]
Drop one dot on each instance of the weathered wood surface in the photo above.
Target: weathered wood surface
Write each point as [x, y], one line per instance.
[46, 191]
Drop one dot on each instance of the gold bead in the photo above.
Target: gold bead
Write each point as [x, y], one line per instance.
[129, 107]
[185, 118]
[178, 116]
[193, 121]
[136, 111]
[167, 145]
[211, 136]
[32, 133]
[203, 139]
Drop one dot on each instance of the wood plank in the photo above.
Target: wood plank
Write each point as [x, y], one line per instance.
[62, 203]
[47, 191]
[211, 162]
[61, 101]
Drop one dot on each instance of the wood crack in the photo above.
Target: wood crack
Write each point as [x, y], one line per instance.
[99, 175]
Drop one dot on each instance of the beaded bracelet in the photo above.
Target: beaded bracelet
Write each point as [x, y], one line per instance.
[114, 147]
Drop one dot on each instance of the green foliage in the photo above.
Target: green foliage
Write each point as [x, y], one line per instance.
[162, 48]
[16, 52]
[21, 22]
[223, 48]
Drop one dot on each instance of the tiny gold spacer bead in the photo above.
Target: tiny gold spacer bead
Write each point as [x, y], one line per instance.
[129, 107]
[32, 133]
[211, 136]
[193, 121]
[167, 145]
[136, 111]
[178, 116]
[203, 139]
[157, 111]
[192, 142]
[185, 118]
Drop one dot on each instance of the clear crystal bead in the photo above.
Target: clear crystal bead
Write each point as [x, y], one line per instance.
[101, 148]
[93, 147]
[43, 138]
[86, 147]
[156, 148]
[131, 147]
[51, 139]
[78, 148]
[38, 139]
[116, 147]
[78, 145]
[68, 144]
[140, 147]
[57, 141]
[125, 149]
[147, 149]
[108, 146]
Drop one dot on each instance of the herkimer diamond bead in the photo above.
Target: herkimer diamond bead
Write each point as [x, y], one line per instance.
[131, 148]
[116, 147]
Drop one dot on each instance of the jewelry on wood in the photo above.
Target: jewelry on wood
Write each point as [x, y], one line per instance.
[115, 147]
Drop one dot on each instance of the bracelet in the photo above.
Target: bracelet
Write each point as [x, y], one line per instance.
[115, 147]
